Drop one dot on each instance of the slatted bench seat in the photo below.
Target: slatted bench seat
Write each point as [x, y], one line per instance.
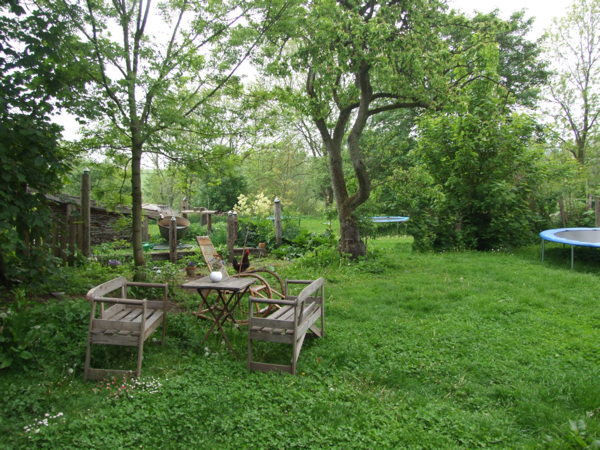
[127, 322]
[290, 324]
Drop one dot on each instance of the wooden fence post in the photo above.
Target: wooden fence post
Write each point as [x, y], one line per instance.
[597, 205]
[72, 236]
[232, 233]
[85, 211]
[64, 234]
[55, 224]
[173, 240]
[208, 224]
[561, 207]
[145, 233]
[202, 217]
[80, 232]
[278, 224]
[184, 207]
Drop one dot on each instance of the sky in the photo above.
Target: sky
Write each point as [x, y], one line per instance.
[542, 10]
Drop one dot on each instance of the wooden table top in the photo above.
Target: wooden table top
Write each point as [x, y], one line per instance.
[227, 284]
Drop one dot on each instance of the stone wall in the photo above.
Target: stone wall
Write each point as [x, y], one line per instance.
[102, 228]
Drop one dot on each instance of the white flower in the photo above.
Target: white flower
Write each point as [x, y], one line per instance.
[2, 315]
[206, 354]
[37, 431]
[70, 370]
[206, 349]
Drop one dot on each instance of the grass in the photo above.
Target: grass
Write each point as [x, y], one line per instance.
[453, 350]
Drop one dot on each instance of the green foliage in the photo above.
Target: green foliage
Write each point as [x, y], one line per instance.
[36, 336]
[35, 74]
[254, 231]
[312, 247]
[110, 179]
[221, 193]
[483, 165]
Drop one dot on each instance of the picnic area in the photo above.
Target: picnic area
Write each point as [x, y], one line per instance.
[422, 350]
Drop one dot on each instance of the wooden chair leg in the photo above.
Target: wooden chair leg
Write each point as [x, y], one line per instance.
[89, 342]
[249, 352]
[140, 357]
[294, 359]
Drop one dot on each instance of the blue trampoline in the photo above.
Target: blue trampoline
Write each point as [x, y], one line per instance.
[389, 219]
[583, 237]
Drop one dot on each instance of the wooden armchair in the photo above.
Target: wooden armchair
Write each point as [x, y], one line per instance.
[127, 322]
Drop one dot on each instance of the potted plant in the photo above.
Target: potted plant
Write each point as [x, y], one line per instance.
[190, 268]
[216, 264]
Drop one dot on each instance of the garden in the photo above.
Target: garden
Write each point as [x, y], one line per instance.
[422, 350]
[405, 156]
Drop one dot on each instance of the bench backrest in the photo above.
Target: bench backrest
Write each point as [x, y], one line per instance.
[105, 288]
[308, 295]
[310, 292]
[310, 289]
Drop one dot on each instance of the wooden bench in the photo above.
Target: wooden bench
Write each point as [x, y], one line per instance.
[290, 324]
[127, 322]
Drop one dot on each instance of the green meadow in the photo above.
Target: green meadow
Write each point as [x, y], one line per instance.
[433, 350]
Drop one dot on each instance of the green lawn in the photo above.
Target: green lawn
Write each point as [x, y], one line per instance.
[453, 350]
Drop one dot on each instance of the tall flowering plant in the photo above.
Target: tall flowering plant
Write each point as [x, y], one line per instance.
[253, 212]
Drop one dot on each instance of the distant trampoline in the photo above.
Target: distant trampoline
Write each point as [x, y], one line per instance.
[583, 237]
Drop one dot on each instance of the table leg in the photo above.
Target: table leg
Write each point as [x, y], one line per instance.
[236, 297]
[218, 324]
[200, 312]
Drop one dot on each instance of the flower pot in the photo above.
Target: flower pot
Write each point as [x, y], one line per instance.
[261, 245]
[191, 271]
[215, 277]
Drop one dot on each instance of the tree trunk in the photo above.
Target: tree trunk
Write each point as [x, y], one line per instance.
[136, 206]
[581, 151]
[350, 241]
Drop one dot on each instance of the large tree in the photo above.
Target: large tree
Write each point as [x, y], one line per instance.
[35, 74]
[572, 45]
[363, 58]
[155, 69]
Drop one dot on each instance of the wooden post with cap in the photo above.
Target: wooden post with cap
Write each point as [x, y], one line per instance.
[232, 233]
[278, 224]
[85, 211]
[173, 240]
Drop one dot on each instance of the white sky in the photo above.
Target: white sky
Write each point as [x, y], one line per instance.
[542, 10]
